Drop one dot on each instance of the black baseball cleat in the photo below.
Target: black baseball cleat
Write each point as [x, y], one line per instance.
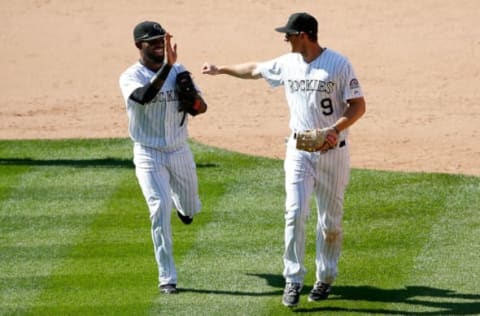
[187, 220]
[319, 292]
[291, 294]
[168, 289]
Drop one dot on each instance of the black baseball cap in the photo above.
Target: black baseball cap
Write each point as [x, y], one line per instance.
[147, 30]
[300, 22]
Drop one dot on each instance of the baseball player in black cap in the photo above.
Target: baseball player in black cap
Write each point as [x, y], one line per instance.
[324, 98]
[164, 164]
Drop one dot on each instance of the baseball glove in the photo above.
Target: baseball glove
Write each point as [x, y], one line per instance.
[316, 140]
[189, 99]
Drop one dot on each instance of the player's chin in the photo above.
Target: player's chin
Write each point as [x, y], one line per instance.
[158, 58]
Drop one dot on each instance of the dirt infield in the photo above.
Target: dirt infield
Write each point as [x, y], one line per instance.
[418, 62]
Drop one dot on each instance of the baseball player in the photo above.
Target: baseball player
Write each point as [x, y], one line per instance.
[324, 98]
[164, 165]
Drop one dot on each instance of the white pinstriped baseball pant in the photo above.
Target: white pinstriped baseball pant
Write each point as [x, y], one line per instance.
[166, 177]
[326, 176]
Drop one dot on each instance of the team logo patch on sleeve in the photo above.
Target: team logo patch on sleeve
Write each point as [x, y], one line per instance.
[354, 84]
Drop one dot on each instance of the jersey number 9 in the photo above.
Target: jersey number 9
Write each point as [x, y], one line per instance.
[327, 106]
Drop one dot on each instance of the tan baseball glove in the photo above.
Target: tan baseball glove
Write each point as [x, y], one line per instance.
[317, 140]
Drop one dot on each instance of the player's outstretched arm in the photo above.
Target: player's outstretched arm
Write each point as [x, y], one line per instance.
[243, 71]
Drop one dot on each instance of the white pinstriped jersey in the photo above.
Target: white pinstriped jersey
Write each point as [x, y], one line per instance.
[157, 123]
[316, 92]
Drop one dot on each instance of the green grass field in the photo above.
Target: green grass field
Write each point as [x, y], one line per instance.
[75, 238]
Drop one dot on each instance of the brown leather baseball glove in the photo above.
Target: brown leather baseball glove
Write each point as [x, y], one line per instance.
[189, 99]
[316, 140]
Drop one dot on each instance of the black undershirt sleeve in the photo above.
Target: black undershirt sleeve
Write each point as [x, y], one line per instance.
[144, 94]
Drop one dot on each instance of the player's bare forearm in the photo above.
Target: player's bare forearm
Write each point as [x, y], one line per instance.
[243, 71]
[355, 110]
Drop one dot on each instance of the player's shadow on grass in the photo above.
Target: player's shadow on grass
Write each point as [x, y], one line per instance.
[74, 163]
[272, 280]
[437, 301]
[81, 163]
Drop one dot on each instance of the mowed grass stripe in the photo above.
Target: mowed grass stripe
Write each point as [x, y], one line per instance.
[47, 209]
[109, 268]
[446, 273]
[39, 232]
[230, 260]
